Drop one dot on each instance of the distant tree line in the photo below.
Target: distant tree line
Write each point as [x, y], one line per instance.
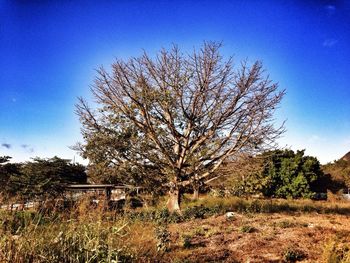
[278, 173]
[38, 179]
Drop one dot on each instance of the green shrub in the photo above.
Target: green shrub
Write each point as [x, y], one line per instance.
[247, 229]
[293, 255]
[158, 216]
[186, 241]
[285, 224]
[163, 238]
[196, 212]
[161, 216]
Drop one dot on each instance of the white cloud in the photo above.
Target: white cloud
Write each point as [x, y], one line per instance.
[330, 42]
[330, 9]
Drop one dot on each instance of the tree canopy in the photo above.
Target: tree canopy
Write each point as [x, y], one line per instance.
[7, 172]
[286, 174]
[177, 116]
[40, 178]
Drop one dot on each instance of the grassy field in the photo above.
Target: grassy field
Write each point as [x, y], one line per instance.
[260, 231]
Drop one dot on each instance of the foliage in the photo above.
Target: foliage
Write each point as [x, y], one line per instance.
[286, 174]
[174, 119]
[8, 171]
[292, 174]
[186, 241]
[247, 229]
[163, 238]
[213, 206]
[218, 205]
[196, 212]
[293, 254]
[241, 177]
[40, 178]
[163, 216]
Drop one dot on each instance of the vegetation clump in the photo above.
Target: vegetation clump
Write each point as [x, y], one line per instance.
[186, 241]
[163, 238]
[247, 229]
[282, 174]
[293, 255]
[336, 251]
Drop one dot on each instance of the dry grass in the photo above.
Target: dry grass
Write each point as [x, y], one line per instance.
[85, 234]
[272, 205]
[261, 231]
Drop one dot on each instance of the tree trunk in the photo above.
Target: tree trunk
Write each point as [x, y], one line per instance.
[173, 203]
[195, 192]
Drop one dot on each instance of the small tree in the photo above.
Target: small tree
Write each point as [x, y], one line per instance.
[179, 115]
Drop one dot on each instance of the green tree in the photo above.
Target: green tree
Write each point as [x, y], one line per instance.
[180, 116]
[40, 178]
[291, 175]
[7, 172]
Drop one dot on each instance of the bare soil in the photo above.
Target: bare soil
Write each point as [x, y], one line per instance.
[256, 238]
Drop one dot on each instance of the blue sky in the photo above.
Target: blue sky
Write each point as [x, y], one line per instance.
[50, 49]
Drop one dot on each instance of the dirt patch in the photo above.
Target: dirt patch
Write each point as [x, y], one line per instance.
[256, 238]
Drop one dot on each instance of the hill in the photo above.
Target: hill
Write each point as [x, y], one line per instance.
[339, 171]
[346, 157]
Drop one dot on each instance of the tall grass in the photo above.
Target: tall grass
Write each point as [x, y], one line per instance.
[85, 234]
[336, 251]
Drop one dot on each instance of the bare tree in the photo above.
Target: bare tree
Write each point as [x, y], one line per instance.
[185, 114]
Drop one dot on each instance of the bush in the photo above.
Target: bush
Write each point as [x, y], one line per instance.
[163, 238]
[293, 255]
[186, 241]
[196, 212]
[247, 229]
